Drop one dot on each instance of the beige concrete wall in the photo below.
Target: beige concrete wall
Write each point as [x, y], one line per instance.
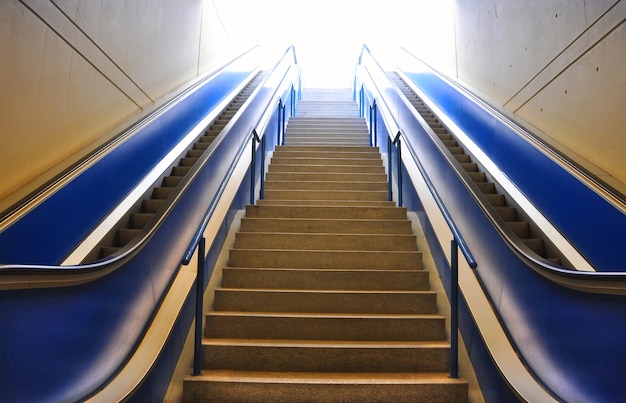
[73, 71]
[558, 65]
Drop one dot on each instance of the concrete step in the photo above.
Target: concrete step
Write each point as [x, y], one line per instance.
[324, 326]
[327, 168]
[335, 259]
[261, 386]
[334, 153]
[327, 212]
[325, 356]
[316, 225]
[380, 186]
[325, 279]
[325, 177]
[324, 241]
[353, 203]
[324, 301]
[325, 148]
[326, 161]
[357, 195]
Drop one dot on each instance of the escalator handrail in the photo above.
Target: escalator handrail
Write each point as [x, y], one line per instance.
[33, 276]
[391, 123]
[602, 188]
[260, 128]
[586, 281]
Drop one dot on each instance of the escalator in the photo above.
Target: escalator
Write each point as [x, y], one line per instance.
[111, 329]
[542, 310]
[148, 208]
[504, 205]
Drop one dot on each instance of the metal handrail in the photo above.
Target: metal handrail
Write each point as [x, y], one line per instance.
[457, 242]
[198, 241]
[390, 122]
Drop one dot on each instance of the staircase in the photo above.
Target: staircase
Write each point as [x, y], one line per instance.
[324, 298]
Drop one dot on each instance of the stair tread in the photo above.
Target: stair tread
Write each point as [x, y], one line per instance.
[327, 377]
[326, 343]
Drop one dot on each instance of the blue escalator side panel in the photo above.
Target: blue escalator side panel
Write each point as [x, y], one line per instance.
[586, 219]
[48, 234]
[570, 340]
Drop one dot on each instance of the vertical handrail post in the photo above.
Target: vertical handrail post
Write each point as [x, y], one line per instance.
[279, 127]
[261, 195]
[454, 310]
[389, 167]
[197, 351]
[371, 124]
[255, 139]
[397, 143]
[283, 124]
[375, 125]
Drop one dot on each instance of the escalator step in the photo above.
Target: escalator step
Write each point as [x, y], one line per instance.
[194, 153]
[521, 228]
[188, 162]
[125, 235]
[171, 181]
[140, 220]
[464, 158]
[108, 250]
[162, 192]
[201, 145]
[478, 176]
[486, 187]
[470, 166]
[507, 213]
[180, 171]
[450, 143]
[151, 205]
[536, 245]
[497, 200]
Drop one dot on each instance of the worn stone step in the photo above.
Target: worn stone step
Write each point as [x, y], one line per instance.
[333, 153]
[337, 212]
[353, 203]
[325, 279]
[380, 186]
[312, 259]
[315, 225]
[248, 386]
[336, 326]
[326, 161]
[327, 168]
[325, 301]
[324, 241]
[325, 177]
[373, 195]
[325, 356]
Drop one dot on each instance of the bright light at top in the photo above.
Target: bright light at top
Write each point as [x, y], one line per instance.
[328, 34]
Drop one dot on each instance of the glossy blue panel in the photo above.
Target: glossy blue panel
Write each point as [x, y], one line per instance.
[570, 340]
[50, 232]
[62, 344]
[593, 225]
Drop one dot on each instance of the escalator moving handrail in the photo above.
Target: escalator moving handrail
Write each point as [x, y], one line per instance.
[82, 273]
[22, 207]
[605, 190]
[592, 282]
[205, 221]
[391, 123]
